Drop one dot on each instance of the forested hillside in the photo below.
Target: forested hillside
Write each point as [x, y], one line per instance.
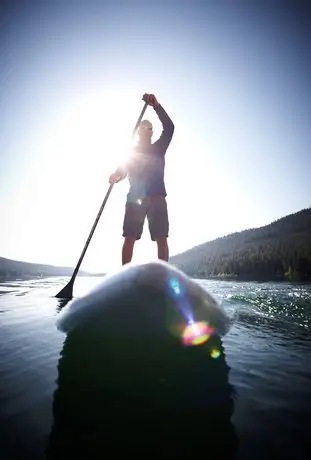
[278, 251]
[12, 269]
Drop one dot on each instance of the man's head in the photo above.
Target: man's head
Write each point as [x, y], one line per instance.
[145, 131]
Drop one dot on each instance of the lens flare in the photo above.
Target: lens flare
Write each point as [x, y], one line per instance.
[215, 353]
[175, 286]
[197, 333]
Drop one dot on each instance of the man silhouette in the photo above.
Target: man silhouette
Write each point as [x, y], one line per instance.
[147, 194]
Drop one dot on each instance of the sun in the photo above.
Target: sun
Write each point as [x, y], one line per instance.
[95, 128]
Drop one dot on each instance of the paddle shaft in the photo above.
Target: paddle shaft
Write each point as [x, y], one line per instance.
[67, 290]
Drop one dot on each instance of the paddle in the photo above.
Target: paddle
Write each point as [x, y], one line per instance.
[66, 292]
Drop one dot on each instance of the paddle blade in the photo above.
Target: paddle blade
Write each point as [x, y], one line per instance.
[66, 292]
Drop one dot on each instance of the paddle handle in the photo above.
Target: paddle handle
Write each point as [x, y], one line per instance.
[140, 118]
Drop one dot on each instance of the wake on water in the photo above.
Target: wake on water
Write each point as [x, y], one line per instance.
[291, 306]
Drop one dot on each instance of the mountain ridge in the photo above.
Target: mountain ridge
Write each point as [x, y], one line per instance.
[11, 269]
[280, 250]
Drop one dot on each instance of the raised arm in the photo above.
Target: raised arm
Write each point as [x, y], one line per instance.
[168, 126]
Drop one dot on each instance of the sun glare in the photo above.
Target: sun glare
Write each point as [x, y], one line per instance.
[94, 128]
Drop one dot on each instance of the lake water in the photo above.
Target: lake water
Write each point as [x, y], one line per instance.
[257, 398]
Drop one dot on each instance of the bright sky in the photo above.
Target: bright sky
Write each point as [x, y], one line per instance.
[233, 76]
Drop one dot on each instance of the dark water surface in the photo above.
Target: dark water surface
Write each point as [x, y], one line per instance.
[253, 403]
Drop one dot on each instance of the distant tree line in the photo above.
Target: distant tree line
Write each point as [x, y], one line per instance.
[13, 269]
[279, 251]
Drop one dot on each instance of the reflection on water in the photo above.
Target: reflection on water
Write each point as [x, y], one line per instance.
[61, 303]
[138, 395]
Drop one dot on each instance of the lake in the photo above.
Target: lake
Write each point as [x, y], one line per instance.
[257, 399]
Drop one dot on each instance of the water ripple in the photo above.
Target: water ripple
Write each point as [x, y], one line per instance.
[268, 350]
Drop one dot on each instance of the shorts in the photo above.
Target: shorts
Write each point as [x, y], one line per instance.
[155, 209]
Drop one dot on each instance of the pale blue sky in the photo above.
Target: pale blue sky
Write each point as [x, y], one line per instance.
[233, 76]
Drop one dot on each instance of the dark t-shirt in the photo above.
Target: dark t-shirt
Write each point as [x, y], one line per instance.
[146, 165]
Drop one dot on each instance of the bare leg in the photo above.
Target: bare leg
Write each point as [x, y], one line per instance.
[163, 251]
[127, 250]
